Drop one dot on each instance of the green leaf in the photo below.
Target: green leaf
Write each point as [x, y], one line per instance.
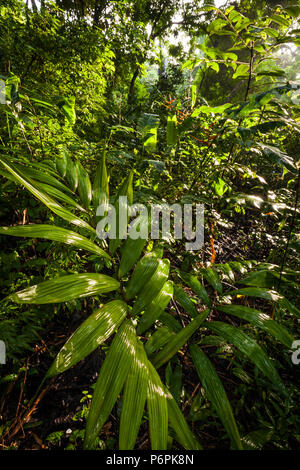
[216, 25]
[100, 186]
[84, 185]
[279, 19]
[277, 156]
[64, 288]
[197, 287]
[67, 105]
[293, 10]
[285, 303]
[158, 410]
[174, 381]
[237, 266]
[213, 279]
[256, 440]
[250, 348]
[126, 189]
[58, 195]
[216, 394]
[96, 329]
[148, 124]
[220, 187]
[226, 269]
[184, 435]
[179, 340]
[258, 292]
[170, 322]
[143, 271]
[43, 177]
[184, 300]
[259, 319]
[58, 234]
[160, 337]
[156, 307]
[241, 70]
[112, 376]
[61, 162]
[132, 251]
[49, 202]
[172, 130]
[153, 286]
[263, 278]
[134, 399]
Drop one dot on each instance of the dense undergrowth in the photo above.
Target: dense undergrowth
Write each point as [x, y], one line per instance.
[140, 343]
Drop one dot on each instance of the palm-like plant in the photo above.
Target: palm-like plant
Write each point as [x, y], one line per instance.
[141, 293]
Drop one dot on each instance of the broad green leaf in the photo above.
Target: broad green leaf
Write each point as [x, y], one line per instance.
[277, 156]
[168, 320]
[42, 177]
[174, 381]
[126, 189]
[58, 195]
[208, 109]
[220, 187]
[134, 399]
[143, 271]
[72, 173]
[96, 329]
[256, 440]
[197, 287]
[179, 340]
[156, 307]
[49, 202]
[158, 339]
[216, 394]
[263, 278]
[237, 266]
[226, 269]
[153, 286]
[194, 89]
[250, 348]
[58, 234]
[216, 25]
[258, 292]
[241, 70]
[293, 10]
[184, 435]
[130, 254]
[148, 124]
[158, 410]
[280, 20]
[61, 164]
[285, 303]
[172, 130]
[184, 300]
[112, 376]
[100, 186]
[64, 288]
[67, 106]
[132, 249]
[84, 185]
[213, 279]
[259, 319]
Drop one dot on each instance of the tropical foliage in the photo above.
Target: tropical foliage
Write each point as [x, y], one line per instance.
[110, 99]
